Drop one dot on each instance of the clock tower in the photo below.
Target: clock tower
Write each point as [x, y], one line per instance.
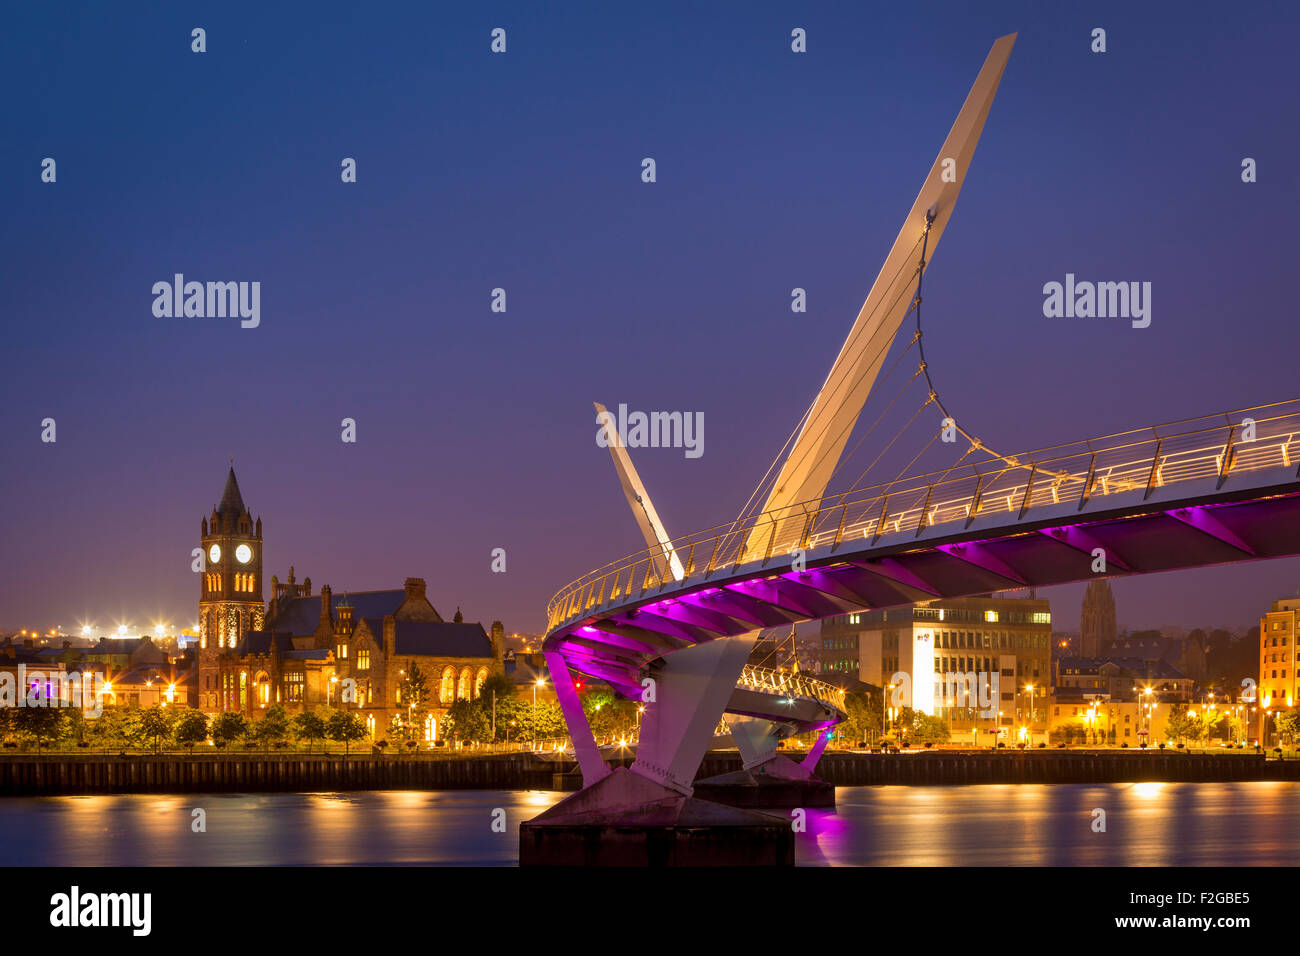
[230, 595]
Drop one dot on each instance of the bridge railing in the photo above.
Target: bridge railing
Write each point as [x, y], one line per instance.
[768, 681]
[1142, 460]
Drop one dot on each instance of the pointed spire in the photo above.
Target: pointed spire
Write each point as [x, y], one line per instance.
[460, 618]
[232, 502]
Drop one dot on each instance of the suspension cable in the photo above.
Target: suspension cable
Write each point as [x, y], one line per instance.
[975, 442]
[881, 416]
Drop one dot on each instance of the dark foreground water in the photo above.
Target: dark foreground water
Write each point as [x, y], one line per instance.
[1147, 824]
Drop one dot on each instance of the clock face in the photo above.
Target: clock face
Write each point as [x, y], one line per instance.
[214, 554]
[244, 554]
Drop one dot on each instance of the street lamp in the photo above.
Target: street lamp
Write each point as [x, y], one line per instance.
[1030, 722]
[536, 684]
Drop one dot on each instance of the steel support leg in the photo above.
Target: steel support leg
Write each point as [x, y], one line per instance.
[755, 738]
[691, 691]
[809, 762]
[590, 762]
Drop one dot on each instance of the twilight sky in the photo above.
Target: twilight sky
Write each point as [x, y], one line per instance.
[522, 171]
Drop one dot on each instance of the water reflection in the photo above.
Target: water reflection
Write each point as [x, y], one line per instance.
[1147, 824]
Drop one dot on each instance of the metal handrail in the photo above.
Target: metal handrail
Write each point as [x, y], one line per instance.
[1080, 471]
[766, 680]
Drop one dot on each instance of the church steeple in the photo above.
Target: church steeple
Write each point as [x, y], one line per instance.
[232, 502]
[230, 590]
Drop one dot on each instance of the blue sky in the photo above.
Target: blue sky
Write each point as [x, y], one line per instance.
[522, 171]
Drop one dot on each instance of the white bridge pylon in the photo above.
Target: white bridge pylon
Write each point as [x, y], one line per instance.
[693, 687]
[695, 671]
[808, 467]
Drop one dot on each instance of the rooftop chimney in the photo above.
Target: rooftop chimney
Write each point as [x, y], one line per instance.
[414, 588]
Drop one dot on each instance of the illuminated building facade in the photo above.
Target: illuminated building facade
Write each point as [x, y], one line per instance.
[1116, 701]
[1277, 678]
[982, 663]
[303, 651]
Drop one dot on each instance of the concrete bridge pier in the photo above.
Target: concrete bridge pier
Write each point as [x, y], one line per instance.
[648, 814]
[768, 779]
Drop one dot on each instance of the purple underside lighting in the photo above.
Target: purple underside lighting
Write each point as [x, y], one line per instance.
[616, 640]
[1082, 535]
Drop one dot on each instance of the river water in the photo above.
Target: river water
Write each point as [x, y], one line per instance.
[1146, 824]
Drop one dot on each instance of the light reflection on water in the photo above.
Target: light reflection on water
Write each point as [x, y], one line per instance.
[1147, 824]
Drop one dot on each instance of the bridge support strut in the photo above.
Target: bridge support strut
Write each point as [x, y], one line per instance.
[647, 814]
[692, 688]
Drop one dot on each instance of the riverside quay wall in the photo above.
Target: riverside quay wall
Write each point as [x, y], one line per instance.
[64, 774]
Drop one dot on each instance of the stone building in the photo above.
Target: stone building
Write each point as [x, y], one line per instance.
[1278, 683]
[350, 650]
[1097, 630]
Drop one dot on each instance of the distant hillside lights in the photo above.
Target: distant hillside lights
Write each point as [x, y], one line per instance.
[1102, 300]
[198, 300]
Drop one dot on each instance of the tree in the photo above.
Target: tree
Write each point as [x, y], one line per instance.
[346, 728]
[864, 719]
[469, 720]
[191, 728]
[415, 687]
[272, 728]
[399, 731]
[1288, 725]
[499, 684]
[41, 724]
[930, 729]
[607, 714]
[156, 724]
[229, 726]
[308, 726]
[1209, 723]
[111, 728]
[76, 726]
[1181, 725]
[530, 723]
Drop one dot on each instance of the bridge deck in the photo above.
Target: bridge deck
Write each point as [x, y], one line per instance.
[1209, 491]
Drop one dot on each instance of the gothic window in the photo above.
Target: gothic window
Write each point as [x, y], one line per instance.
[447, 692]
[462, 691]
[363, 660]
[263, 682]
[479, 678]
